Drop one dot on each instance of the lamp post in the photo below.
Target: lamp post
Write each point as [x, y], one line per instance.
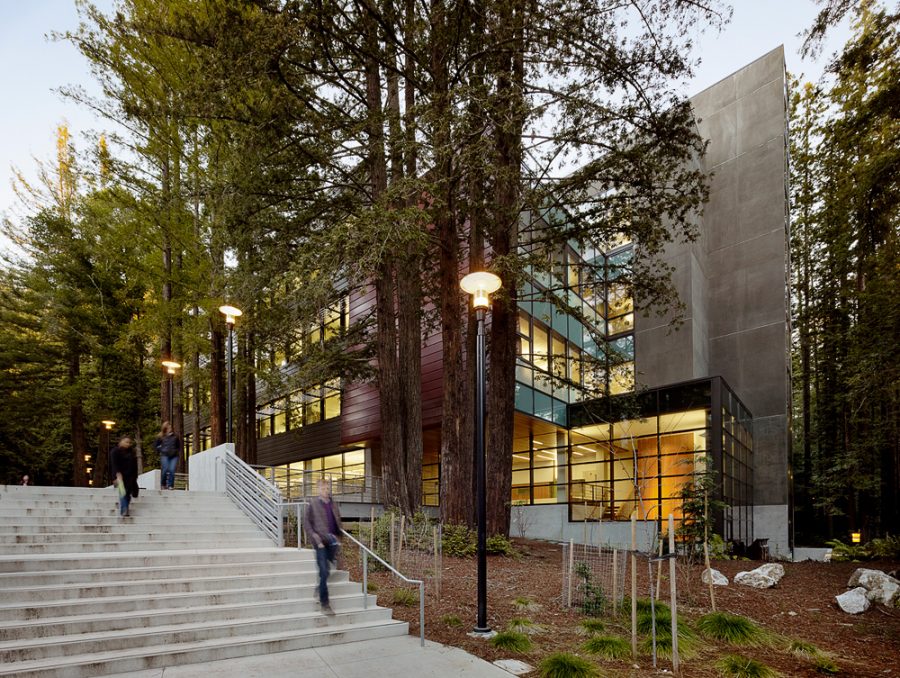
[105, 448]
[231, 314]
[480, 285]
[171, 366]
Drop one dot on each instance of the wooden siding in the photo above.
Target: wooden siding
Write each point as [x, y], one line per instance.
[314, 440]
[360, 404]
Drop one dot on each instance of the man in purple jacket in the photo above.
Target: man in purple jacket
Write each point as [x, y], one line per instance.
[323, 525]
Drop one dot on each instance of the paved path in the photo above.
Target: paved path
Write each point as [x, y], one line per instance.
[393, 657]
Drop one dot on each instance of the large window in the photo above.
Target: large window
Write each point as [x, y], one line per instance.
[299, 409]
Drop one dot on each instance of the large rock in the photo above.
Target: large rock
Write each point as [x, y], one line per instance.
[718, 579]
[853, 601]
[763, 577]
[773, 570]
[880, 587]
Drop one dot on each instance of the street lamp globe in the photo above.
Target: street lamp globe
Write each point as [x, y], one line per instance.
[108, 424]
[231, 313]
[480, 284]
[171, 366]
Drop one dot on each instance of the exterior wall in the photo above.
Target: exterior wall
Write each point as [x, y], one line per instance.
[205, 472]
[733, 280]
[551, 522]
[313, 440]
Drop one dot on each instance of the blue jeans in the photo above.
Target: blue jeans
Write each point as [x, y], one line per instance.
[168, 465]
[325, 556]
[124, 501]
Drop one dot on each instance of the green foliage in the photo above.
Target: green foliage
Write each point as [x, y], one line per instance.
[512, 641]
[688, 643]
[608, 647]
[735, 666]
[826, 666]
[458, 541]
[522, 625]
[405, 597]
[699, 506]
[593, 600]
[451, 620]
[499, 545]
[591, 626]
[371, 587]
[526, 604]
[888, 547]
[565, 665]
[730, 628]
[802, 649]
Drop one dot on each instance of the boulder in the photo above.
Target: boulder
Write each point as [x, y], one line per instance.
[754, 578]
[763, 577]
[718, 579]
[853, 601]
[880, 587]
[773, 570]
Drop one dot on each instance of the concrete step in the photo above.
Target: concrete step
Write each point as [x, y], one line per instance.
[100, 510]
[151, 538]
[95, 623]
[120, 604]
[157, 572]
[92, 643]
[111, 662]
[118, 546]
[155, 587]
[112, 523]
[67, 561]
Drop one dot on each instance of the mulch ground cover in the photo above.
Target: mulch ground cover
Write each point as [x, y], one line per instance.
[800, 607]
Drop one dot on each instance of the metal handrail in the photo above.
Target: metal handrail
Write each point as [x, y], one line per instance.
[259, 499]
[366, 552]
[301, 484]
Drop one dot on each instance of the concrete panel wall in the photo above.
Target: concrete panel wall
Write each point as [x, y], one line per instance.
[205, 472]
[551, 522]
[744, 118]
[732, 281]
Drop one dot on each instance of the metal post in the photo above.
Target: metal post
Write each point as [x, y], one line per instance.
[422, 613]
[365, 579]
[171, 398]
[228, 437]
[481, 626]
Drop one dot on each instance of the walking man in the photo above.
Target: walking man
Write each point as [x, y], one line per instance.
[124, 470]
[323, 525]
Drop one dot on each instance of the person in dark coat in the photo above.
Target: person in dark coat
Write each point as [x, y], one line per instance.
[322, 521]
[124, 470]
[168, 446]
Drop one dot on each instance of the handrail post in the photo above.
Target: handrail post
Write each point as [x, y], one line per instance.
[422, 613]
[365, 587]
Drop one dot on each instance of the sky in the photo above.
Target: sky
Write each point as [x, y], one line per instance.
[34, 67]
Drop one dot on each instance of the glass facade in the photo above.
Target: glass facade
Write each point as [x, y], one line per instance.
[575, 331]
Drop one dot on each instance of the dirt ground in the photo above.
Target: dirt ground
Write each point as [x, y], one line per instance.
[801, 607]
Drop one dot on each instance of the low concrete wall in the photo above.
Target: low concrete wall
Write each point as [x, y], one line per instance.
[150, 480]
[551, 522]
[819, 554]
[771, 522]
[205, 472]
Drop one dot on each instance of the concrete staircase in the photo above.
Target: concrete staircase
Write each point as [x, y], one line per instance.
[187, 578]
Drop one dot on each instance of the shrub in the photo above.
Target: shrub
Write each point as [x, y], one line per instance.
[826, 666]
[405, 597]
[591, 626]
[593, 599]
[458, 541]
[526, 604]
[735, 666]
[802, 649]
[841, 552]
[512, 641]
[565, 665]
[730, 628]
[608, 647]
[452, 620]
[687, 644]
[521, 625]
[371, 587]
[498, 545]
[889, 547]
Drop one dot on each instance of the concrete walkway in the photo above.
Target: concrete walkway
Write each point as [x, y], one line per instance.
[396, 657]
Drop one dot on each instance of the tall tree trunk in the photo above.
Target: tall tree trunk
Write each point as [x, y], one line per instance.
[76, 421]
[509, 123]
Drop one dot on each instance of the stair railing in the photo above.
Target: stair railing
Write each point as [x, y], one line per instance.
[259, 499]
[366, 552]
